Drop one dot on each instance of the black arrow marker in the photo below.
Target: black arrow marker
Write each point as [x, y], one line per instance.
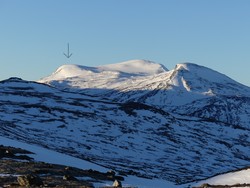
[69, 54]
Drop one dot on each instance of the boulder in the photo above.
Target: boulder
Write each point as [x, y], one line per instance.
[29, 180]
[117, 184]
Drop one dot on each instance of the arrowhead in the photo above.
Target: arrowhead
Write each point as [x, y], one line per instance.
[67, 55]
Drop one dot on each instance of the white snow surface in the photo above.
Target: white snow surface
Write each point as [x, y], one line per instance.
[232, 178]
[143, 67]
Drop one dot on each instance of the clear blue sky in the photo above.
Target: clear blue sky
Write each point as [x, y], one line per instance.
[212, 33]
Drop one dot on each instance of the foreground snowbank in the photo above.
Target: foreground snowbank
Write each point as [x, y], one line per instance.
[232, 178]
[48, 156]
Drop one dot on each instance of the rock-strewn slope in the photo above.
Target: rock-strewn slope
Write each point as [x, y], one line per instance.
[18, 169]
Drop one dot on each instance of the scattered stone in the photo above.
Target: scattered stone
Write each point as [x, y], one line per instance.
[69, 178]
[205, 185]
[67, 168]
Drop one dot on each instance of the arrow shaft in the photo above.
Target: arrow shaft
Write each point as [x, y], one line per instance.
[69, 54]
[68, 49]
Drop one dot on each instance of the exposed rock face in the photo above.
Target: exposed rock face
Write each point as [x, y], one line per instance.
[29, 180]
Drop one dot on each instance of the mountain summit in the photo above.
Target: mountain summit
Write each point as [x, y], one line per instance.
[133, 67]
[196, 78]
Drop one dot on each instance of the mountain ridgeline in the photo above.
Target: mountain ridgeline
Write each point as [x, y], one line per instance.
[135, 117]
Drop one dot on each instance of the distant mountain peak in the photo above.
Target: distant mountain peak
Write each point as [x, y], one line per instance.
[186, 65]
[129, 68]
[198, 73]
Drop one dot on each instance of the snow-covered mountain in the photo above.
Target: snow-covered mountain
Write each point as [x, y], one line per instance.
[188, 89]
[135, 117]
[153, 84]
